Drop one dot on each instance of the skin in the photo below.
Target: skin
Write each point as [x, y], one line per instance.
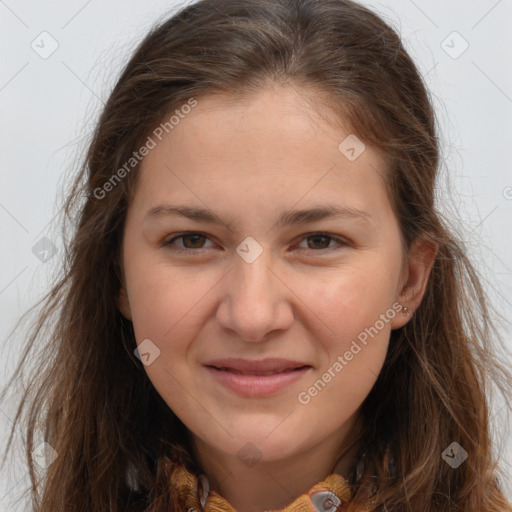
[250, 159]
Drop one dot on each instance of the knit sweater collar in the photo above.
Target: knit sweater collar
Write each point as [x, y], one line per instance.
[329, 495]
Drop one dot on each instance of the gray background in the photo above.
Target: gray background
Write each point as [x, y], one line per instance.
[49, 106]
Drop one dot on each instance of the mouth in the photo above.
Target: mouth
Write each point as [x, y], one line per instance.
[263, 374]
[252, 379]
[268, 366]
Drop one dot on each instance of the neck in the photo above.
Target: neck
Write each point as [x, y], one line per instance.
[271, 485]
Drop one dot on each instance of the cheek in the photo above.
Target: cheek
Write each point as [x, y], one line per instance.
[354, 333]
[355, 313]
[340, 388]
[349, 300]
[164, 300]
[168, 309]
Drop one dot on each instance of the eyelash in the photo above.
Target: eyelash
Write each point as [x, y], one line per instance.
[341, 242]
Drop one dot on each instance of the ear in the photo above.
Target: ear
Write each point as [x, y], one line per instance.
[123, 303]
[421, 258]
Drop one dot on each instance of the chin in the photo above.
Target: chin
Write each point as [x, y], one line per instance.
[250, 442]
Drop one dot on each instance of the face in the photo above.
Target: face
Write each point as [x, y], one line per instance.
[250, 278]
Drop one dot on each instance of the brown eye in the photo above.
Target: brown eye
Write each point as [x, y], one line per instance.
[193, 241]
[189, 242]
[321, 241]
[318, 241]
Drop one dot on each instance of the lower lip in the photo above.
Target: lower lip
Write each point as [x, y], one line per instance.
[257, 385]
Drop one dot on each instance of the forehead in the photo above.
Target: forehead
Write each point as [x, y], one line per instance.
[280, 144]
[268, 122]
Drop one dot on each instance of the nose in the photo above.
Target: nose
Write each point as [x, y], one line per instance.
[256, 300]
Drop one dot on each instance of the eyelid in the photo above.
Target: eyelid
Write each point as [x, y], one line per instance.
[342, 242]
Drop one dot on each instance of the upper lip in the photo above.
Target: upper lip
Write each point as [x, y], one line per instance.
[253, 365]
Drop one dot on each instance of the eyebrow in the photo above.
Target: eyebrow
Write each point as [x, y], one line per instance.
[287, 218]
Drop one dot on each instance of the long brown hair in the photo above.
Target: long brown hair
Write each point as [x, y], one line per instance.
[115, 437]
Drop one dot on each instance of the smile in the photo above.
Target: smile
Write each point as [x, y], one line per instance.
[257, 384]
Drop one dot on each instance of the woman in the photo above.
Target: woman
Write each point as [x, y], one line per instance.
[265, 368]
